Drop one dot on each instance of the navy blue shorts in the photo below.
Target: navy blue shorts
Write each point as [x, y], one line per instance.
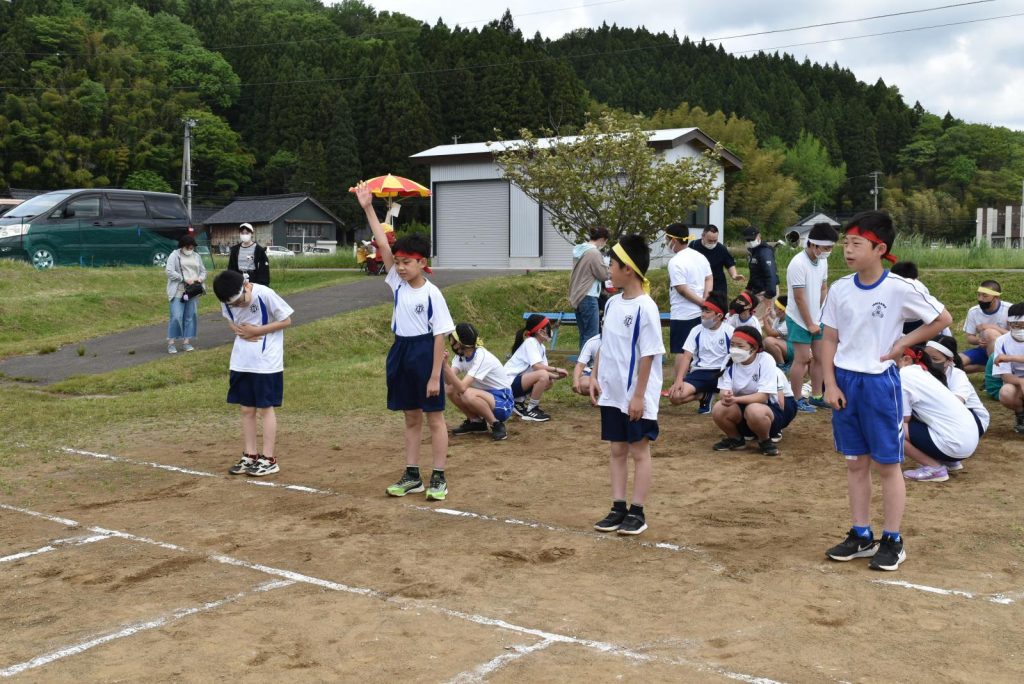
[977, 355]
[778, 419]
[678, 331]
[703, 380]
[921, 437]
[872, 420]
[256, 390]
[617, 427]
[517, 386]
[410, 361]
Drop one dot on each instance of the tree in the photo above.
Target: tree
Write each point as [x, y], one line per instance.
[147, 180]
[808, 162]
[608, 176]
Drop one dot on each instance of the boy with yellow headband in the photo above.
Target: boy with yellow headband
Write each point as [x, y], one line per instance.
[626, 382]
[985, 323]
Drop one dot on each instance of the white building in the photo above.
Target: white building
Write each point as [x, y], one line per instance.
[796, 235]
[479, 219]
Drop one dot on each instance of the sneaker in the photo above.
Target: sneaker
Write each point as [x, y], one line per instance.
[776, 436]
[171, 349]
[187, 347]
[264, 466]
[820, 403]
[438, 489]
[854, 546]
[610, 522]
[498, 431]
[706, 401]
[927, 474]
[804, 406]
[1019, 427]
[519, 408]
[243, 465]
[954, 466]
[632, 524]
[469, 426]
[536, 415]
[406, 485]
[730, 444]
[768, 447]
[890, 555]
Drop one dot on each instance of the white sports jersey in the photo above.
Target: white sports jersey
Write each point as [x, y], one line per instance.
[485, 369]
[806, 275]
[950, 423]
[735, 322]
[781, 327]
[870, 319]
[688, 267]
[265, 355]
[760, 375]
[710, 348]
[632, 331]
[1005, 344]
[418, 311]
[975, 317]
[960, 385]
[589, 351]
[530, 353]
[783, 385]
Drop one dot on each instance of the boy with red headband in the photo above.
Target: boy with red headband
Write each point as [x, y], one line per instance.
[705, 353]
[626, 382]
[863, 320]
[421, 322]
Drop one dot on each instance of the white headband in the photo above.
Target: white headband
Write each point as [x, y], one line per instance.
[821, 243]
[237, 296]
[945, 351]
[1015, 319]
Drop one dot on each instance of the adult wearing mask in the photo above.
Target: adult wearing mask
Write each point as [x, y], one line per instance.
[718, 257]
[184, 267]
[588, 275]
[764, 279]
[249, 257]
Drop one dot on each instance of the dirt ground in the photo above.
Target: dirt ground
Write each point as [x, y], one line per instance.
[200, 576]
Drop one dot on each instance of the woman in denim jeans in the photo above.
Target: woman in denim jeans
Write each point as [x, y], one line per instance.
[588, 275]
[184, 267]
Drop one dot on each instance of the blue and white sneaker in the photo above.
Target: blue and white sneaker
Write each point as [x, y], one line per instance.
[804, 406]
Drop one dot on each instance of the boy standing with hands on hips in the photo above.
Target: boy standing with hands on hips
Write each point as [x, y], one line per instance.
[863, 324]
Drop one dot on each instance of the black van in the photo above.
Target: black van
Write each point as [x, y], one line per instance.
[94, 227]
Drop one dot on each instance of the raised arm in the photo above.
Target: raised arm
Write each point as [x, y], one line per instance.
[365, 198]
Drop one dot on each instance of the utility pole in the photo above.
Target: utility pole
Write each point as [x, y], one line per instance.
[874, 191]
[186, 167]
[455, 139]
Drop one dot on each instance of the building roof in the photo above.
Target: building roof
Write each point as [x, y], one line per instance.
[661, 139]
[264, 209]
[807, 222]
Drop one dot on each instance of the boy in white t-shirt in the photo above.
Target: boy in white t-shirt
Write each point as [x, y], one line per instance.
[689, 282]
[584, 367]
[258, 317]
[984, 324]
[705, 353]
[1008, 364]
[627, 382]
[484, 393]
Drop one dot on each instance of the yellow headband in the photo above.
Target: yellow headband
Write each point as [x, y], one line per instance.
[985, 290]
[621, 253]
[478, 343]
[780, 305]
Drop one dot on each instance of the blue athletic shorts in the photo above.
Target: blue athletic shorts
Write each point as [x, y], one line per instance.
[256, 390]
[410, 361]
[678, 331]
[872, 420]
[921, 437]
[502, 403]
[778, 419]
[617, 427]
[517, 386]
[977, 355]
[703, 380]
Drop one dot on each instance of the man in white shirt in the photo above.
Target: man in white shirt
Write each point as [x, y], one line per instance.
[690, 280]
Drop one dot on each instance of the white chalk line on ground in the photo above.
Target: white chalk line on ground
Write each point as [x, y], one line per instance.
[52, 546]
[137, 627]
[480, 672]
[1001, 598]
[295, 577]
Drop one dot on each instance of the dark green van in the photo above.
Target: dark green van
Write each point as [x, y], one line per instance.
[94, 228]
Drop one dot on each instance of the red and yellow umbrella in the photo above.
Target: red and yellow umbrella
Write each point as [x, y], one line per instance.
[391, 187]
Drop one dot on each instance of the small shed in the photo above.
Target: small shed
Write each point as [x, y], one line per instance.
[796, 235]
[295, 221]
[480, 220]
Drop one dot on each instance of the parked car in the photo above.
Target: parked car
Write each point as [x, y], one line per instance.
[279, 251]
[316, 251]
[94, 227]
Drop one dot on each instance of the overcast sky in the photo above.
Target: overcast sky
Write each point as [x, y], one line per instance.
[974, 70]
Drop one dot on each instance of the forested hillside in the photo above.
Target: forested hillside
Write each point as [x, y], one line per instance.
[295, 96]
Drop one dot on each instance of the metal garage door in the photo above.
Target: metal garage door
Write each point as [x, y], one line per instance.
[471, 224]
[557, 247]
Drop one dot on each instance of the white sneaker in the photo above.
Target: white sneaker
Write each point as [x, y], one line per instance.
[956, 465]
[171, 349]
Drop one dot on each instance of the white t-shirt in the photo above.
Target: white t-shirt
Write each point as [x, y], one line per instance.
[869, 320]
[975, 317]
[632, 331]
[530, 353]
[1005, 344]
[782, 385]
[418, 311]
[960, 385]
[950, 423]
[734, 320]
[760, 375]
[688, 267]
[485, 369]
[589, 351]
[781, 327]
[807, 275]
[261, 356]
[710, 348]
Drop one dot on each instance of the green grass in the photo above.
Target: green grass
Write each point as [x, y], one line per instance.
[343, 258]
[925, 254]
[41, 310]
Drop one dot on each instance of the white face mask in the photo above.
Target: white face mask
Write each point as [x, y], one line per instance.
[825, 255]
[738, 355]
[187, 251]
[708, 323]
[246, 238]
[1017, 335]
[751, 244]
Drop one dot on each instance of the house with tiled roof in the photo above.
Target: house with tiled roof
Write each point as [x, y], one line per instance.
[295, 221]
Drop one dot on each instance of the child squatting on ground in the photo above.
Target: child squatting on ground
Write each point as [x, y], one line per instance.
[704, 354]
[258, 317]
[1008, 364]
[484, 393]
[584, 368]
[863, 320]
[748, 381]
[421, 322]
[626, 383]
[529, 371]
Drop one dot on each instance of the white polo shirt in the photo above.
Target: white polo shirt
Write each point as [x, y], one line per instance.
[710, 348]
[265, 355]
[632, 331]
[804, 274]
[418, 311]
[485, 369]
[949, 422]
[688, 267]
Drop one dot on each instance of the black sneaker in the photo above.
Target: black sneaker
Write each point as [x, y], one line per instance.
[730, 444]
[406, 485]
[1019, 427]
[243, 465]
[611, 522]
[536, 415]
[498, 431]
[776, 436]
[632, 524]
[854, 546]
[469, 426]
[890, 555]
[519, 408]
[264, 466]
[768, 447]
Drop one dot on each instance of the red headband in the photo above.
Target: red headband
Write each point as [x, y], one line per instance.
[413, 255]
[537, 328]
[746, 296]
[857, 231]
[915, 356]
[713, 307]
[746, 338]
